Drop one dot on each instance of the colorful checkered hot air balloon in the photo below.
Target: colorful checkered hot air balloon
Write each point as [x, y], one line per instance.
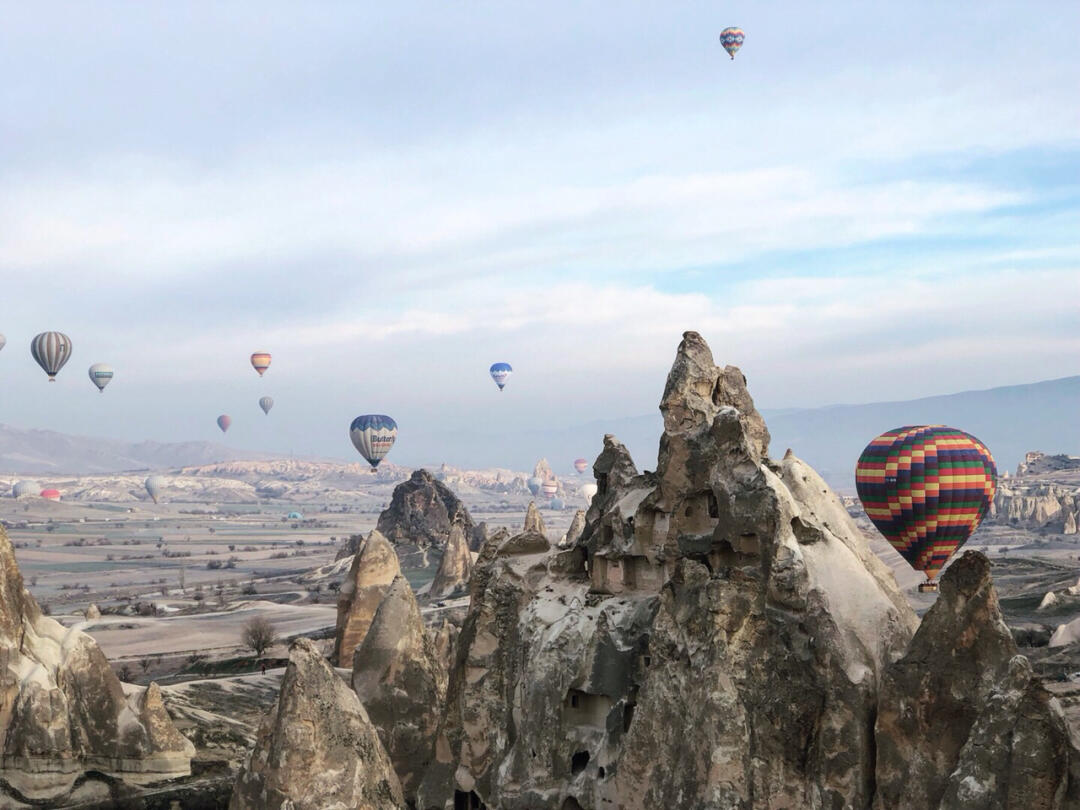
[732, 40]
[926, 488]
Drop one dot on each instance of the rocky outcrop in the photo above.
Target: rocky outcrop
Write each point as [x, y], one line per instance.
[350, 547]
[962, 722]
[1038, 463]
[1041, 506]
[401, 682]
[373, 569]
[317, 748]
[421, 513]
[93, 612]
[573, 533]
[64, 712]
[714, 639]
[455, 567]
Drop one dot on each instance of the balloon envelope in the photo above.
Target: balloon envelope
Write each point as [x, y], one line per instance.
[25, 487]
[557, 504]
[101, 374]
[589, 491]
[3, 341]
[373, 434]
[51, 350]
[266, 403]
[581, 465]
[732, 40]
[534, 485]
[926, 488]
[224, 421]
[550, 487]
[500, 373]
[50, 494]
[260, 361]
[154, 484]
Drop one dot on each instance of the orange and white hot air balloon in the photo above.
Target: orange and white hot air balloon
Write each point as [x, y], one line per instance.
[260, 361]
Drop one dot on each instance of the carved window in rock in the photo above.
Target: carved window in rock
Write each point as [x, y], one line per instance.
[584, 709]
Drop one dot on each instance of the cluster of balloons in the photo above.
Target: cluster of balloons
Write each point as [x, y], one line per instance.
[52, 350]
[260, 361]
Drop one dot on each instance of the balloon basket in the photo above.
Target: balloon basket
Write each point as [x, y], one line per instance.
[928, 587]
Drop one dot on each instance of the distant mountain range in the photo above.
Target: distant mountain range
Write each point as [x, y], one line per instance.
[1011, 420]
[48, 452]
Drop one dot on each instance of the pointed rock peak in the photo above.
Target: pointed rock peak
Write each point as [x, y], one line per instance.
[455, 567]
[697, 391]
[614, 468]
[422, 476]
[397, 625]
[966, 577]
[542, 469]
[377, 561]
[318, 727]
[533, 521]
[577, 526]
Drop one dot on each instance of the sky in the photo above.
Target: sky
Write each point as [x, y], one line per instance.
[871, 202]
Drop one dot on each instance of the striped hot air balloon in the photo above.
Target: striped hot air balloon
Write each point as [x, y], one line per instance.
[224, 421]
[266, 403]
[550, 487]
[373, 435]
[732, 40]
[51, 350]
[500, 373]
[154, 484]
[24, 488]
[260, 361]
[926, 488]
[101, 374]
[581, 465]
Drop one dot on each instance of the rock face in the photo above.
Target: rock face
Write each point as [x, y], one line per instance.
[455, 567]
[93, 612]
[962, 722]
[350, 547]
[64, 712]
[1037, 505]
[316, 749]
[373, 569]
[401, 682]
[714, 638]
[577, 526]
[421, 513]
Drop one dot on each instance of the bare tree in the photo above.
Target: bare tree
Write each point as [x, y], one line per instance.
[125, 673]
[145, 664]
[259, 635]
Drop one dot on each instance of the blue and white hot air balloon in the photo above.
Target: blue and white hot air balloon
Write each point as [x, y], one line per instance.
[373, 435]
[500, 373]
[101, 374]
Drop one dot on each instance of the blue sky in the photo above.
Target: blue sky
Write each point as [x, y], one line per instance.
[868, 204]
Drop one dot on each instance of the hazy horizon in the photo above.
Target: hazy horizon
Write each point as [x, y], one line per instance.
[389, 200]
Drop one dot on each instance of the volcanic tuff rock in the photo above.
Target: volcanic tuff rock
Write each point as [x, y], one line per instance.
[316, 749]
[713, 640]
[455, 567]
[422, 510]
[64, 711]
[373, 569]
[577, 526]
[350, 547]
[962, 723]
[401, 682]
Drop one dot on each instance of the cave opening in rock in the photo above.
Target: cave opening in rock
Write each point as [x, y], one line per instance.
[467, 801]
[578, 762]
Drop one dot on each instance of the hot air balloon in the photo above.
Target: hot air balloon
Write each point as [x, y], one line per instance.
[100, 375]
[50, 494]
[926, 488]
[260, 361]
[589, 491]
[3, 341]
[154, 484]
[557, 504]
[550, 487]
[581, 465]
[373, 435]
[266, 403]
[732, 40]
[500, 373]
[51, 350]
[224, 421]
[534, 485]
[24, 488]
